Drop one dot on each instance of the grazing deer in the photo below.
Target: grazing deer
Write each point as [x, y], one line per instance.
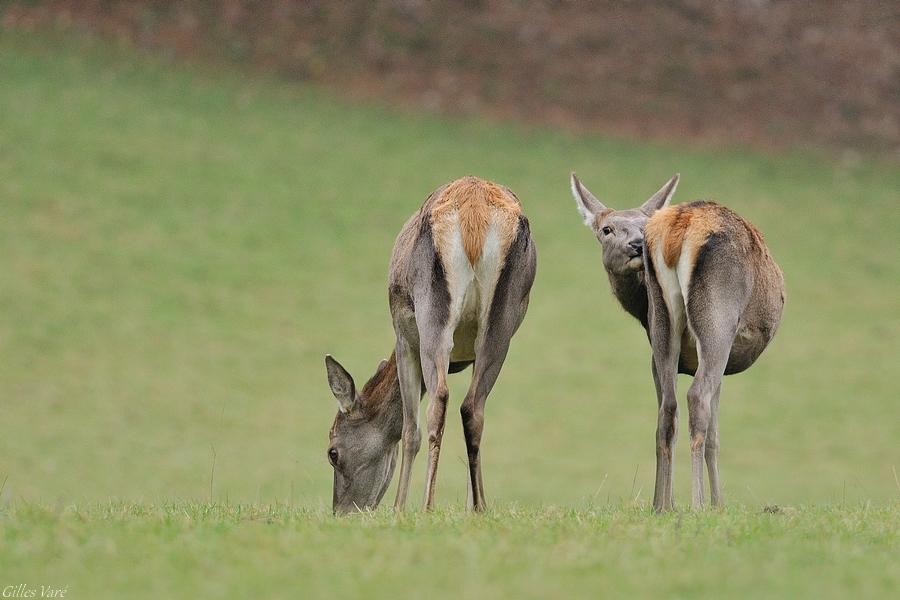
[460, 275]
[702, 282]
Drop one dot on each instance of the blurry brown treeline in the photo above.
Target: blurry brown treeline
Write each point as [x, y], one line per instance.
[768, 73]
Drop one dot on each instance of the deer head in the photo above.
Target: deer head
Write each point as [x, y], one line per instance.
[362, 446]
[620, 232]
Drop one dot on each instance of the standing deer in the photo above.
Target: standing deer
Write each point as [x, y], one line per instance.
[460, 274]
[702, 282]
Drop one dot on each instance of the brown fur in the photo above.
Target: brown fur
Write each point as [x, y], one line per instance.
[477, 203]
[697, 441]
[682, 228]
[601, 216]
[381, 388]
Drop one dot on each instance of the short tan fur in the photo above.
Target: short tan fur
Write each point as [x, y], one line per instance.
[476, 203]
[681, 228]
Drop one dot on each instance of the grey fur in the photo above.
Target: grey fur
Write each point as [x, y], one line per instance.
[734, 306]
[429, 345]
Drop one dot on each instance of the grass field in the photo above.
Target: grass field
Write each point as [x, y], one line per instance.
[180, 247]
[202, 550]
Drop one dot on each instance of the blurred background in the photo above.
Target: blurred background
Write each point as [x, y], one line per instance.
[198, 201]
[763, 72]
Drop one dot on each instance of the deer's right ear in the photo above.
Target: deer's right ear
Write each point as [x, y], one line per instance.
[341, 384]
[587, 204]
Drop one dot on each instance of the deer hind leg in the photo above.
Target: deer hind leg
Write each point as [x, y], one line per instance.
[490, 355]
[716, 300]
[487, 367]
[712, 450]
[508, 302]
[665, 331]
[666, 435]
[410, 374]
[665, 367]
[435, 345]
[713, 351]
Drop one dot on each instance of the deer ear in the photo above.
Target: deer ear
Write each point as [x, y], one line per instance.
[585, 201]
[662, 197]
[341, 384]
[381, 366]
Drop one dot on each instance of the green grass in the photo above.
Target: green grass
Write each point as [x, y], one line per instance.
[180, 247]
[510, 552]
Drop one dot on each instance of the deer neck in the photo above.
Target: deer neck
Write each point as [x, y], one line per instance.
[391, 416]
[383, 401]
[631, 292]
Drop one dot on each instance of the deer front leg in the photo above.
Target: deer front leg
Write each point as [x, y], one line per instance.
[410, 375]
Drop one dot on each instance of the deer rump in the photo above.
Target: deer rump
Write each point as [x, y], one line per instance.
[471, 229]
[699, 252]
[460, 276]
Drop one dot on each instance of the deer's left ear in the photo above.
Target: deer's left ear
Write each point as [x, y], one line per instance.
[662, 197]
[341, 384]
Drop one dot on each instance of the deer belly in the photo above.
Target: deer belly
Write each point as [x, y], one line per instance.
[747, 346]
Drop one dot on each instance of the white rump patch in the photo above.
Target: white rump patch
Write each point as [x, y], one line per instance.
[487, 271]
[471, 287]
[683, 271]
[674, 284]
[459, 271]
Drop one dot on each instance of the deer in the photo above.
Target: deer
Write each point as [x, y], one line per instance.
[460, 276]
[703, 284]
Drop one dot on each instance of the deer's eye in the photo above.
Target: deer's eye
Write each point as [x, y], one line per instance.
[606, 230]
[333, 456]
